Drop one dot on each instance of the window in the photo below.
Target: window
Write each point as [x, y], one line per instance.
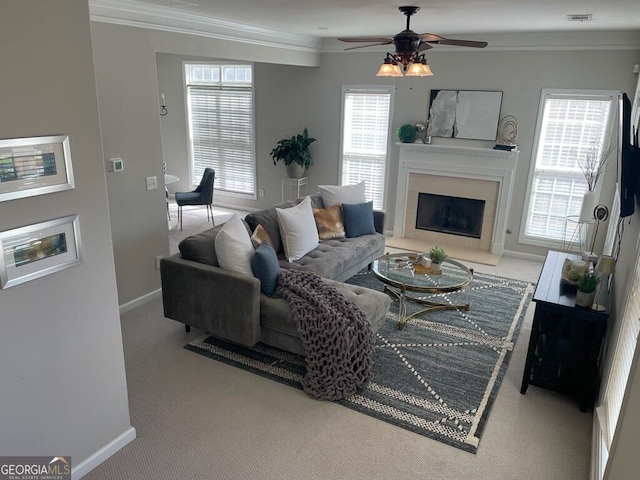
[569, 124]
[623, 340]
[365, 134]
[220, 121]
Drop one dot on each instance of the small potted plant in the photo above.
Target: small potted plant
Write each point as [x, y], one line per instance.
[437, 256]
[586, 289]
[406, 133]
[294, 152]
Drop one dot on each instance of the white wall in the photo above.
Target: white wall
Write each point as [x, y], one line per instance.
[63, 388]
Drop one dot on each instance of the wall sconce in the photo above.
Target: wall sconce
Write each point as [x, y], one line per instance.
[163, 107]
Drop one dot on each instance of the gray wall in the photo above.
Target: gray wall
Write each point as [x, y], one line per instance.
[61, 361]
[128, 102]
[130, 123]
[288, 98]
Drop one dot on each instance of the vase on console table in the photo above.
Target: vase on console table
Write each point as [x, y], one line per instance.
[585, 299]
[589, 202]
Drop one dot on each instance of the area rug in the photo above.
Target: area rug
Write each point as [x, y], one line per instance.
[437, 377]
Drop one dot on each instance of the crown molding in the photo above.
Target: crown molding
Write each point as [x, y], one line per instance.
[155, 17]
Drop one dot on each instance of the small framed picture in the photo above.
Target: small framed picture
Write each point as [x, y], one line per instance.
[31, 252]
[35, 166]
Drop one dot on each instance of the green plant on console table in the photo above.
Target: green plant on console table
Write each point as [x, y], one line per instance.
[437, 254]
[406, 133]
[588, 283]
[294, 149]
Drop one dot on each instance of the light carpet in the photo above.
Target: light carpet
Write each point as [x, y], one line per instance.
[438, 377]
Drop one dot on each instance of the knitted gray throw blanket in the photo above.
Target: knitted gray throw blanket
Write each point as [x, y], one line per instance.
[336, 335]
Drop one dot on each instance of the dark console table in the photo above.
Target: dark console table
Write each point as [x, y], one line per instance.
[566, 340]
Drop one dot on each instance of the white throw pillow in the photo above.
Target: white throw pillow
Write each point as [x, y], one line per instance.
[351, 194]
[233, 247]
[298, 230]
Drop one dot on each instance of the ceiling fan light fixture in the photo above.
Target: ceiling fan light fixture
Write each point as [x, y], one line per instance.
[389, 68]
[419, 69]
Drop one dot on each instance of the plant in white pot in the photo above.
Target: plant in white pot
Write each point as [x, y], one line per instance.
[437, 256]
[295, 154]
[586, 289]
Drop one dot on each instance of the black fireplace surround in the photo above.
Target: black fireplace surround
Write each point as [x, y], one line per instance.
[453, 215]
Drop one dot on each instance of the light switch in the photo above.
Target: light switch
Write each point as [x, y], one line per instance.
[152, 183]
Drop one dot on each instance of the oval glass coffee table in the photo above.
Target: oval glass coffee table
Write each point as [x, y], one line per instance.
[401, 274]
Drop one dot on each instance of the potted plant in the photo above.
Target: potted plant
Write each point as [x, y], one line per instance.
[406, 133]
[586, 289]
[294, 152]
[437, 256]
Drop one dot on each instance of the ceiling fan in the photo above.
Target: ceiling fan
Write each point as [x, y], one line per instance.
[408, 45]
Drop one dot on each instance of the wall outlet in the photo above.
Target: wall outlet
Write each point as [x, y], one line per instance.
[152, 183]
[261, 192]
[158, 258]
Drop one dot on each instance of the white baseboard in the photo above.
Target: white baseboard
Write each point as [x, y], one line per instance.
[125, 307]
[101, 455]
[524, 256]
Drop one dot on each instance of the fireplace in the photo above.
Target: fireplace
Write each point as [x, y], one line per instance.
[481, 175]
[447, 214]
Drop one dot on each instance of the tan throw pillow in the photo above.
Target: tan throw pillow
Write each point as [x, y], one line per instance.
[260, 235]
[329, 222]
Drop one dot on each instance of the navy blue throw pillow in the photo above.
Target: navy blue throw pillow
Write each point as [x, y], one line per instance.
[358, 219]
[266, 268]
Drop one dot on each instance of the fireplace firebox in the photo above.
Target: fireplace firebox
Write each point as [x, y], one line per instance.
[452, 215]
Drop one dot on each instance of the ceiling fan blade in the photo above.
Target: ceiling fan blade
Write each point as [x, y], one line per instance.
[370, 45]
[431, 37]
[462, 43]
[424, 46]
[366, 39]
[438, 40]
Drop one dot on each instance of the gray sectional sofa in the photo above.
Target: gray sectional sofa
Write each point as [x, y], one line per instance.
[197, 292]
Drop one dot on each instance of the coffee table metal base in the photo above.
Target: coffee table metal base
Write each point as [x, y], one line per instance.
[402, 297]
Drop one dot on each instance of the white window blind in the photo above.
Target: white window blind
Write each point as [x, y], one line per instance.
[365, 134]
[570, 126]
[220, 110]
[624, 337]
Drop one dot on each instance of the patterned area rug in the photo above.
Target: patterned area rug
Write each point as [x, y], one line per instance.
[438, 377]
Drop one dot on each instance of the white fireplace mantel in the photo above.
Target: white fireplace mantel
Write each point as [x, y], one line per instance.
[462, 162]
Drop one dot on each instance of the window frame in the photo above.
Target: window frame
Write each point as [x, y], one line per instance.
[196, 181]
[544, 94]
[370, 88]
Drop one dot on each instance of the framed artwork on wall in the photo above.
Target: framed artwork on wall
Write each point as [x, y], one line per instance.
[31, 252]
[35, 166]
[465, 114]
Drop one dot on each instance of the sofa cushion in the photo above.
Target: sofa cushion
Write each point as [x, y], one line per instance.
[329, 222]
[268, 218]
[298, 230]
[201, 247]
[358, 219]
[275, 313]
[233, 246]
[340, 258]
[266, 268]
[332, 194]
